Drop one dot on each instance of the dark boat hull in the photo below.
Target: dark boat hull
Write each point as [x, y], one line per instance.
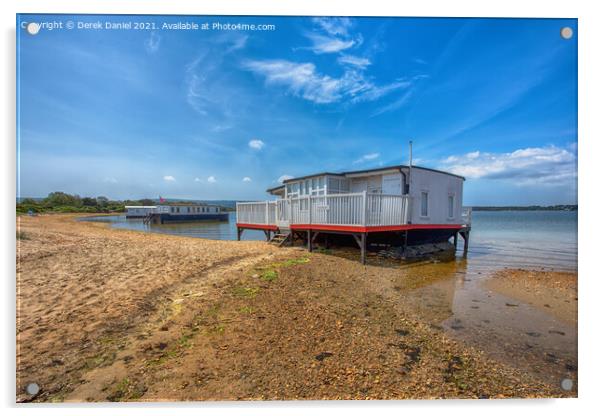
[166, 218]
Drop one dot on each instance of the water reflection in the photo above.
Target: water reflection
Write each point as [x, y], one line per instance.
[454, 299]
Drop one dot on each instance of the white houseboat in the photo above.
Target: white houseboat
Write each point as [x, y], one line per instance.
[409, 203]
[138, 211]
[177, 212]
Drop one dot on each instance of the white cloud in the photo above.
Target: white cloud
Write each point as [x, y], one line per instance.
[336, 26]
[302, 80]
[353, 60]
[197, 179]
[109, 180]
[218, 128]
[256, 144]
[169, 178]
[326, 44]
[367, 157]
[550, 165]
[284, 178]
[332, 35]
[246, 179]
[152, 43]
[211, 179]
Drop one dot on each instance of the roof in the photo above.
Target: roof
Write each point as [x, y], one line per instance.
[401, 167]
[355, 172]
[186, 204]
[140, 206]
[275, 188]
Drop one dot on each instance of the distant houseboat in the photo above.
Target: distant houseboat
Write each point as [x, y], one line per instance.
[408, 204]
[185, 212]
[138, 211]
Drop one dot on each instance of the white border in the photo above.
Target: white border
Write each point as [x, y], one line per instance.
[590, 178]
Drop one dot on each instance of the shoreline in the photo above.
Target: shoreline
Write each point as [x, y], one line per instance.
[113, 314]
[551, 291]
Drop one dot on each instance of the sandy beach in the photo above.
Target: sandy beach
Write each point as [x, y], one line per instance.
[116, 315]
[552, 292]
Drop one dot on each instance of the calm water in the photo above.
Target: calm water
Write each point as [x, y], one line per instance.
[528, 239]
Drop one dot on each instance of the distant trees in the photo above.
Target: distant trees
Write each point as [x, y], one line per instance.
[62, 199]
[64, 202]
[146, 202]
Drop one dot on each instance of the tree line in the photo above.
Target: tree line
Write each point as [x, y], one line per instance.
[64, 202]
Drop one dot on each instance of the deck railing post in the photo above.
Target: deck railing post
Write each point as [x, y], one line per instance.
[365, 207]
[267, 212]
[309, 206]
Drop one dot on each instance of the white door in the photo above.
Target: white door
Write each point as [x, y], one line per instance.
[392, 184]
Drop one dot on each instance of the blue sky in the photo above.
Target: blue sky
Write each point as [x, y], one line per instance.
[225, 114]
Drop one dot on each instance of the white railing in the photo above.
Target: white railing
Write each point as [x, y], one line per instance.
[466, 215]
[256, 212]
[360, 209]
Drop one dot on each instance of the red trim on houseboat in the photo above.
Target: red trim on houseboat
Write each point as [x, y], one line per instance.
[257, 226]
[357, 228]
[375, 229]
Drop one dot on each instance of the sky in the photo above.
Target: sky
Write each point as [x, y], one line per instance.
[225, 112]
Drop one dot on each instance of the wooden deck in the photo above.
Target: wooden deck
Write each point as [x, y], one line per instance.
[357, 214]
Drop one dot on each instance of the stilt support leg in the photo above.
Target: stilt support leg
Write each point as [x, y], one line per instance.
[360, 239]
[465, 235]
[239, 233]
[309, 241]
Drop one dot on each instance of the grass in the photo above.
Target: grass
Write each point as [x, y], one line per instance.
[127, 390]
[246, 292]
[22, 236]
[269, 273]
[100, 360]
[247, 310]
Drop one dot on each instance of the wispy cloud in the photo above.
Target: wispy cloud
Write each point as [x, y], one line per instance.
[246, 179]
[353, 60]
[256, 144]
[211, 179]
[197, 179]
[152, 43]
[284, 178]
[332, 35]
[367, 157]
[335, 26]
[402, 99]
[303, 80]
[169, 178]
[326, 44]
[550, 165]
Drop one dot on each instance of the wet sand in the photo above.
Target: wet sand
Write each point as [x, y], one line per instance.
[550, 291]
[106, 314]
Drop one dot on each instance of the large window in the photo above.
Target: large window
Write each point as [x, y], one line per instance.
[450, 206]
[424, 204]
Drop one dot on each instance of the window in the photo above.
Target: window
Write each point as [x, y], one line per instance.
[173, 209]
[450, 206]
[424, 204]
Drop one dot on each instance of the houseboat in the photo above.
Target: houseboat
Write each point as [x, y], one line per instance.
[138, 211]
[185, 212]
[396, 205]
